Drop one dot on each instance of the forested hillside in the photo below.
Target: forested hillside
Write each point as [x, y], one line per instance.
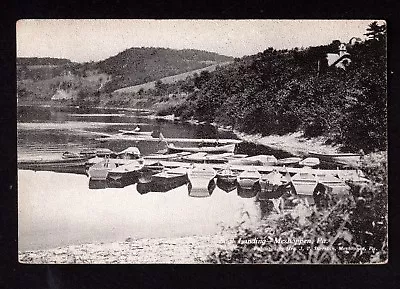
[140, 65]
[282, 91]
[40, 78]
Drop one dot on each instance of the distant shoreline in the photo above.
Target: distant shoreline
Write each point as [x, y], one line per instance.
[293, 143]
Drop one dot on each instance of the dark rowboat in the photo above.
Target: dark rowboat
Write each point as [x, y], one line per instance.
[350, 159]
[125, 175]
[69, 165]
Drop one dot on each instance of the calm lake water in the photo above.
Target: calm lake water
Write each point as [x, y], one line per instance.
[57, 209]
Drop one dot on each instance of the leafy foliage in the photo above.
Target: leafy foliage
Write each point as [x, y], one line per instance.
[281, 91]
[351, 230]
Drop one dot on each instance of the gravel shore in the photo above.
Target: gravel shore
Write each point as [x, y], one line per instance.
[293, 143]
[184, 250]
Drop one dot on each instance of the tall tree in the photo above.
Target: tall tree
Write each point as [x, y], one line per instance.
[376, 31]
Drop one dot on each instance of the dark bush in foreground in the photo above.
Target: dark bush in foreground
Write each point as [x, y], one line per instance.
[350, 230]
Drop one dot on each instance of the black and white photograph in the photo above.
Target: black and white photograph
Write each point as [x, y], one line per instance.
[167, 141]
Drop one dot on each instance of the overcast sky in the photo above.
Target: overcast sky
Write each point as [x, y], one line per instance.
[93, 40]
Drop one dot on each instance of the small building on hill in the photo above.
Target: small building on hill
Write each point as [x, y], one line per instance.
[339, 59]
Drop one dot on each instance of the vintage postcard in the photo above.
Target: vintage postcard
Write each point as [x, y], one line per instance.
[202, 141]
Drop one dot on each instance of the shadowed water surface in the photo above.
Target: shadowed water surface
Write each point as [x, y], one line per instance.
[56, 209]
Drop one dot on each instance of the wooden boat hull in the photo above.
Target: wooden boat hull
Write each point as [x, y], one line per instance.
[229, 148]
[146, 174]
[203, 157]
[165, 181]
[333, 185]
[247, 179]
[164, 184]
[125, 175]
[292, 161]
[339, 158]
[71, 165]
[260, 160]
[175, 156]
[99, 171]
[310, 162]
[118, 180]
[135, 133]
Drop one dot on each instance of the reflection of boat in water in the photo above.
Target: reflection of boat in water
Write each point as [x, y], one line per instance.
[97, 184]
[143, 188]
[228, 148]
[248, 183]
[310, 162]
[304, 184]
[200, 192]
[201, 181]
[70, 165]
[289, 161]
[226, 186]
[338, 158]
[203, 157]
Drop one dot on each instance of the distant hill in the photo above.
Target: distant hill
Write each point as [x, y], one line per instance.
[32, 61]
[141, 65]
[168, 79]
[42, 78]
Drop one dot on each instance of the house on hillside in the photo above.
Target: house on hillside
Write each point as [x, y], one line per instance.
[339, 59]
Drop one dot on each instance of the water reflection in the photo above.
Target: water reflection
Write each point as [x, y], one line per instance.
[97, 184]
[52, 130]
[59, 209]
[202, 192]
[227, 186]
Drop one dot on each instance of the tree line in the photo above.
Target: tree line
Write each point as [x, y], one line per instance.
[282, 91]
